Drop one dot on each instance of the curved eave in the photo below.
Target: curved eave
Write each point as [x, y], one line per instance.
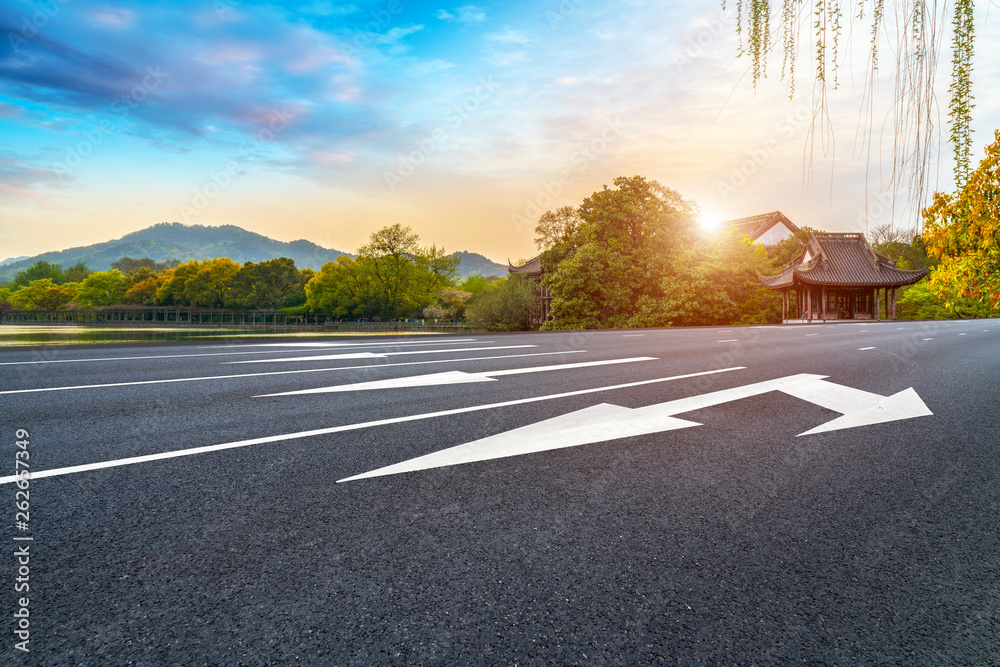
[903, 277]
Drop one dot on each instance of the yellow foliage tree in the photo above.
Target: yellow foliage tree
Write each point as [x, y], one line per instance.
[963, 231]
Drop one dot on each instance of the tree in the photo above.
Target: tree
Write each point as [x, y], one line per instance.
[209, 287]
[555, 227]
[42, 294]
[77, 272]
[344, 288]
[614, 270]
[266, 285]
[509, 304]
[963, 232]
[104, 288]
[172, 290]
[40, 270]
[390, 254]
[917, 43]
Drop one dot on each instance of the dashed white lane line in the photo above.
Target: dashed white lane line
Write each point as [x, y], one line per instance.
[961, 334]
[927, 339]
[56, 472]
[730, 340]
[861, 349]
[375, 355]
[304, 370]
[633, 335]
[812, 334]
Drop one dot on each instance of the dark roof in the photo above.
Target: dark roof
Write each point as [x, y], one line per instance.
[533, 267]
[844, 260]
[754, 226]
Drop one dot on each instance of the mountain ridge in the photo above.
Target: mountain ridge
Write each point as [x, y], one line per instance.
[173, 240]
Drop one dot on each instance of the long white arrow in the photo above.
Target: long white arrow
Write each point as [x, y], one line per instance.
[605, 422]
[451, 377]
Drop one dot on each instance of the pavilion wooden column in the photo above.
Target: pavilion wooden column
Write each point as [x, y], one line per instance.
[893, 303]
[822, 308]
[809, 303]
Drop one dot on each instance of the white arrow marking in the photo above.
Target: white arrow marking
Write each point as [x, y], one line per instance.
[604, 422]
[858, 408]
[101, 465]
[377, 355]
[450, 377]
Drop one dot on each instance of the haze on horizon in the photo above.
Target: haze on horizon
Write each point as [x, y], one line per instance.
[464, 121]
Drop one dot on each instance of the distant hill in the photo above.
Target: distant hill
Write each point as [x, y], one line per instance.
[474, 264]
[172, 240]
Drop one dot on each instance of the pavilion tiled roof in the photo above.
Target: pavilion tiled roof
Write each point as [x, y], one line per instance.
[844, 260]
[533, 267]
[754, 226]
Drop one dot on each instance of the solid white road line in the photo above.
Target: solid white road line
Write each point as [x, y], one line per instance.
[56, 472]
[305, 370]
[317, 344]
[215, 354]
[450, 377]
[375, 355]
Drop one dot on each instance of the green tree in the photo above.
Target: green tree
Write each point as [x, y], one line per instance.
[390, 255]
[42, 294]
[963, 232]
[618, 265]
[271, 284]
[173, 287]
[77, 272]
[344, 288]
[40, 270]
[509, 304]
[556, 226]
[104, 288]
[209, 287]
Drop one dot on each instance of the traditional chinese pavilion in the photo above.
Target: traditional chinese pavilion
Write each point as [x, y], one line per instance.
[532, 269]
[838, 277]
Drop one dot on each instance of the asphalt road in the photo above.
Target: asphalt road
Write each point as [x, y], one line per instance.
[734, 542]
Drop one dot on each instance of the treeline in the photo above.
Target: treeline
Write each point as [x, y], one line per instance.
[392, 277]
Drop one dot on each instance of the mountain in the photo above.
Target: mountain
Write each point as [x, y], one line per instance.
[172, 240]
[474, 264]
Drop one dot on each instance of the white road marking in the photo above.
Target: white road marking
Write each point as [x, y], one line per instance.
[633, 335]
[733, 340]
[812, 334]
[603, 422]
[961, 334]
[305, 370]
[447, 341]
[55, 472]
[375, 355]
[862, 349]
[208, 354]
[451, 377]
[927, 339]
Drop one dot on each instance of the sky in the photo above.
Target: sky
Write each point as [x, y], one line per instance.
[327, 121]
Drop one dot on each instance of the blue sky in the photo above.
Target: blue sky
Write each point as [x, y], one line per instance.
[465, 121]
